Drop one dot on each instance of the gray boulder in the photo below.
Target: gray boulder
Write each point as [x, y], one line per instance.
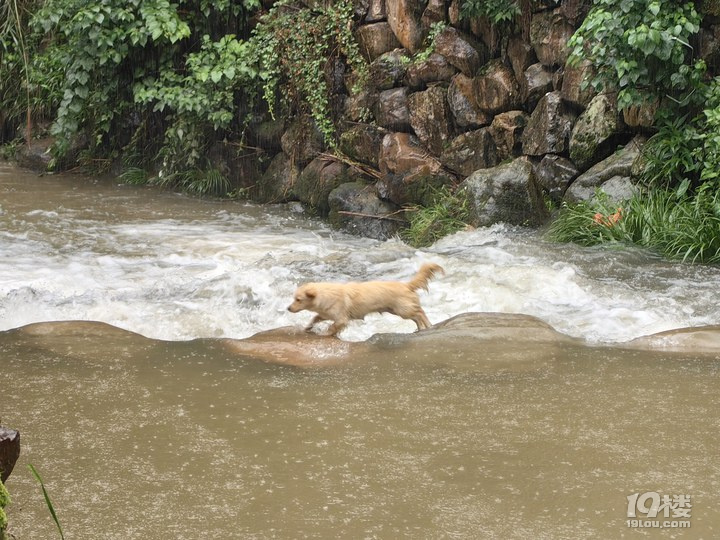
[276, 184]
[619, 165]
[508, 193]
[555, 173]
[391, 109]
[317, 180]
[355, 208]
[594, 136]
[549, 127]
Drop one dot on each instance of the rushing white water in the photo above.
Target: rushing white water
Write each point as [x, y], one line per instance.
[174, 268]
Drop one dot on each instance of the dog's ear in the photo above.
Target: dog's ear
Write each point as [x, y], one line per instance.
[310, 292]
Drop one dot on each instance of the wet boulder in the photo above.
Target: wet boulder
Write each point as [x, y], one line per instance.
[549, 34]
[402, 153]
[496, 89]
[430, 117]
[434, 69]
[391, 109]
[35, 156]
[363, 143]
[508, 193]
[376, 11]
[409, 172]
[9, 451]
[576, 87]
[549, 127]
[302, 141]
[537, 80]
[470, 151]
[276, 184]
[464, 105]
[376, 39]
[317, 180]
[356, 208]
[506, 130]
[435, 12]
[555, 173]
[388, 70]
[358, 106]
[619, 166]
[640, 115]
[461, 50]
[521, 56]
[404, 18]
[595, 134]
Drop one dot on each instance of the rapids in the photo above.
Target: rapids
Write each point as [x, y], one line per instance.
[170, 267]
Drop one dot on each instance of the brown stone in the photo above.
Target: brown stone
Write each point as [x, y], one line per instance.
[302, 141]
[464, 105]
[430, 117]
[436, 68]
[549, 34]
[376, 11]
[435, 12]
[404, 20]
[496, 89]
[388, 70]
[461, 50]
[470, 151]
[576, 87]
[363, 143]
[376, 39]
[316, 182]
[401, 153]
[276, 184]
[506, 130]
[521, 56]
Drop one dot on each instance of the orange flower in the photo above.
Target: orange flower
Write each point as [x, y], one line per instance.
[608, 221]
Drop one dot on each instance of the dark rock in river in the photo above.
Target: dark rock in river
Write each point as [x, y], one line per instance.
[356, 208]
[9, 451]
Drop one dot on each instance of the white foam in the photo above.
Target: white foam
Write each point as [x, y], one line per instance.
[232, 274]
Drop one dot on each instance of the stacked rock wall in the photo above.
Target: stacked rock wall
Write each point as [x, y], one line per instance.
[501, 115]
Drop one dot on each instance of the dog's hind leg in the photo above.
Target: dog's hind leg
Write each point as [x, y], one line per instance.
[421, 320]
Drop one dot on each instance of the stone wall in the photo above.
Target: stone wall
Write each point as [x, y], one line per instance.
[504, 117]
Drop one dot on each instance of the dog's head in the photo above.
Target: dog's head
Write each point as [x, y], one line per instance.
[304, 298]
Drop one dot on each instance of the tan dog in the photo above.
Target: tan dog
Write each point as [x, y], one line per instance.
[343, 302]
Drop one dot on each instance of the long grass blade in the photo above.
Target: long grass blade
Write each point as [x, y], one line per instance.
[48, 502]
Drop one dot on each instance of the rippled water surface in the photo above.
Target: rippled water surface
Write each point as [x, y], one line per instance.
[146, 425]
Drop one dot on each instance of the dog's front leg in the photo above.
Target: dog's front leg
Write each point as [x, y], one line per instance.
[316, 319]
[337, 327]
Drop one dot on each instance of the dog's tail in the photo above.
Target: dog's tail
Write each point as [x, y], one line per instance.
[426, 273]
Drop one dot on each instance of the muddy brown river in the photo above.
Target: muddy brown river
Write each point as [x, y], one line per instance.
[163, 391]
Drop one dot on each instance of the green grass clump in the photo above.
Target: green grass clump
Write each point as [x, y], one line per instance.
[674, 223]
[447, 214]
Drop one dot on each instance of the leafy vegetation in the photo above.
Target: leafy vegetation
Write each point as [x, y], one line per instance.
[673, 223]
[4, 501]
[640, 48]
[447, 214]
[156, 81]
[497, 11]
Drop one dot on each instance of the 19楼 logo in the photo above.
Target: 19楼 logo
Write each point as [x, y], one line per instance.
[644, 508]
